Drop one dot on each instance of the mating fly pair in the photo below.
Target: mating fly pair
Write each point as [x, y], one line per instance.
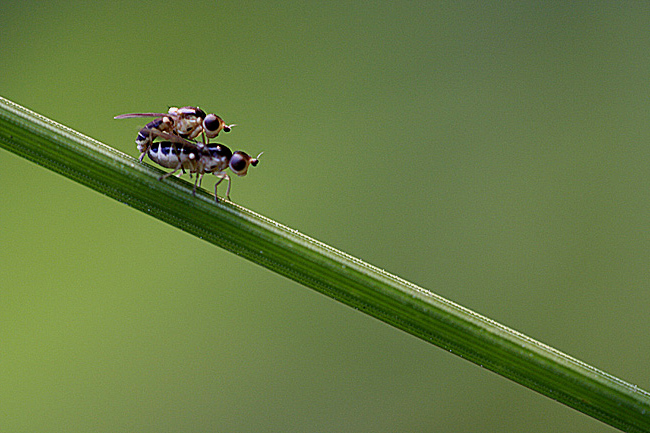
[176, 128]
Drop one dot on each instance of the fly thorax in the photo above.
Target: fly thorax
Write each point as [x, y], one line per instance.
[218, 159]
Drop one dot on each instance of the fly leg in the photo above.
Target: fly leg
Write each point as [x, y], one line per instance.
[197, 182]
[221, 177]
[147, 144]
[166, 175]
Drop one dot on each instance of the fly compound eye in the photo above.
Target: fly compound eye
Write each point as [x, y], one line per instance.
[239, 163]
[212, 124]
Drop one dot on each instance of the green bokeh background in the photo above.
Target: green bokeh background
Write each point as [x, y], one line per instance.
[494, 152]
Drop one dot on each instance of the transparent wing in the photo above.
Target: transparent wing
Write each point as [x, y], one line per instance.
[132, 115]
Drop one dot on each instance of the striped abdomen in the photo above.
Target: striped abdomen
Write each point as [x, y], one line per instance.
[145, 136]
[172, 155]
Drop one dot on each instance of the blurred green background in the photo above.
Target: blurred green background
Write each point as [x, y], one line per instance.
[494, 152]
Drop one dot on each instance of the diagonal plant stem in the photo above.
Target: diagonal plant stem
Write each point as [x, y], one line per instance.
[325, 269]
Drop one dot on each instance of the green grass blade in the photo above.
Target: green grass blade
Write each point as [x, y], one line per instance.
[325, 269]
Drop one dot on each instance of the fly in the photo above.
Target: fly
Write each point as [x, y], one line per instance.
[185, 122]
[200, 159]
